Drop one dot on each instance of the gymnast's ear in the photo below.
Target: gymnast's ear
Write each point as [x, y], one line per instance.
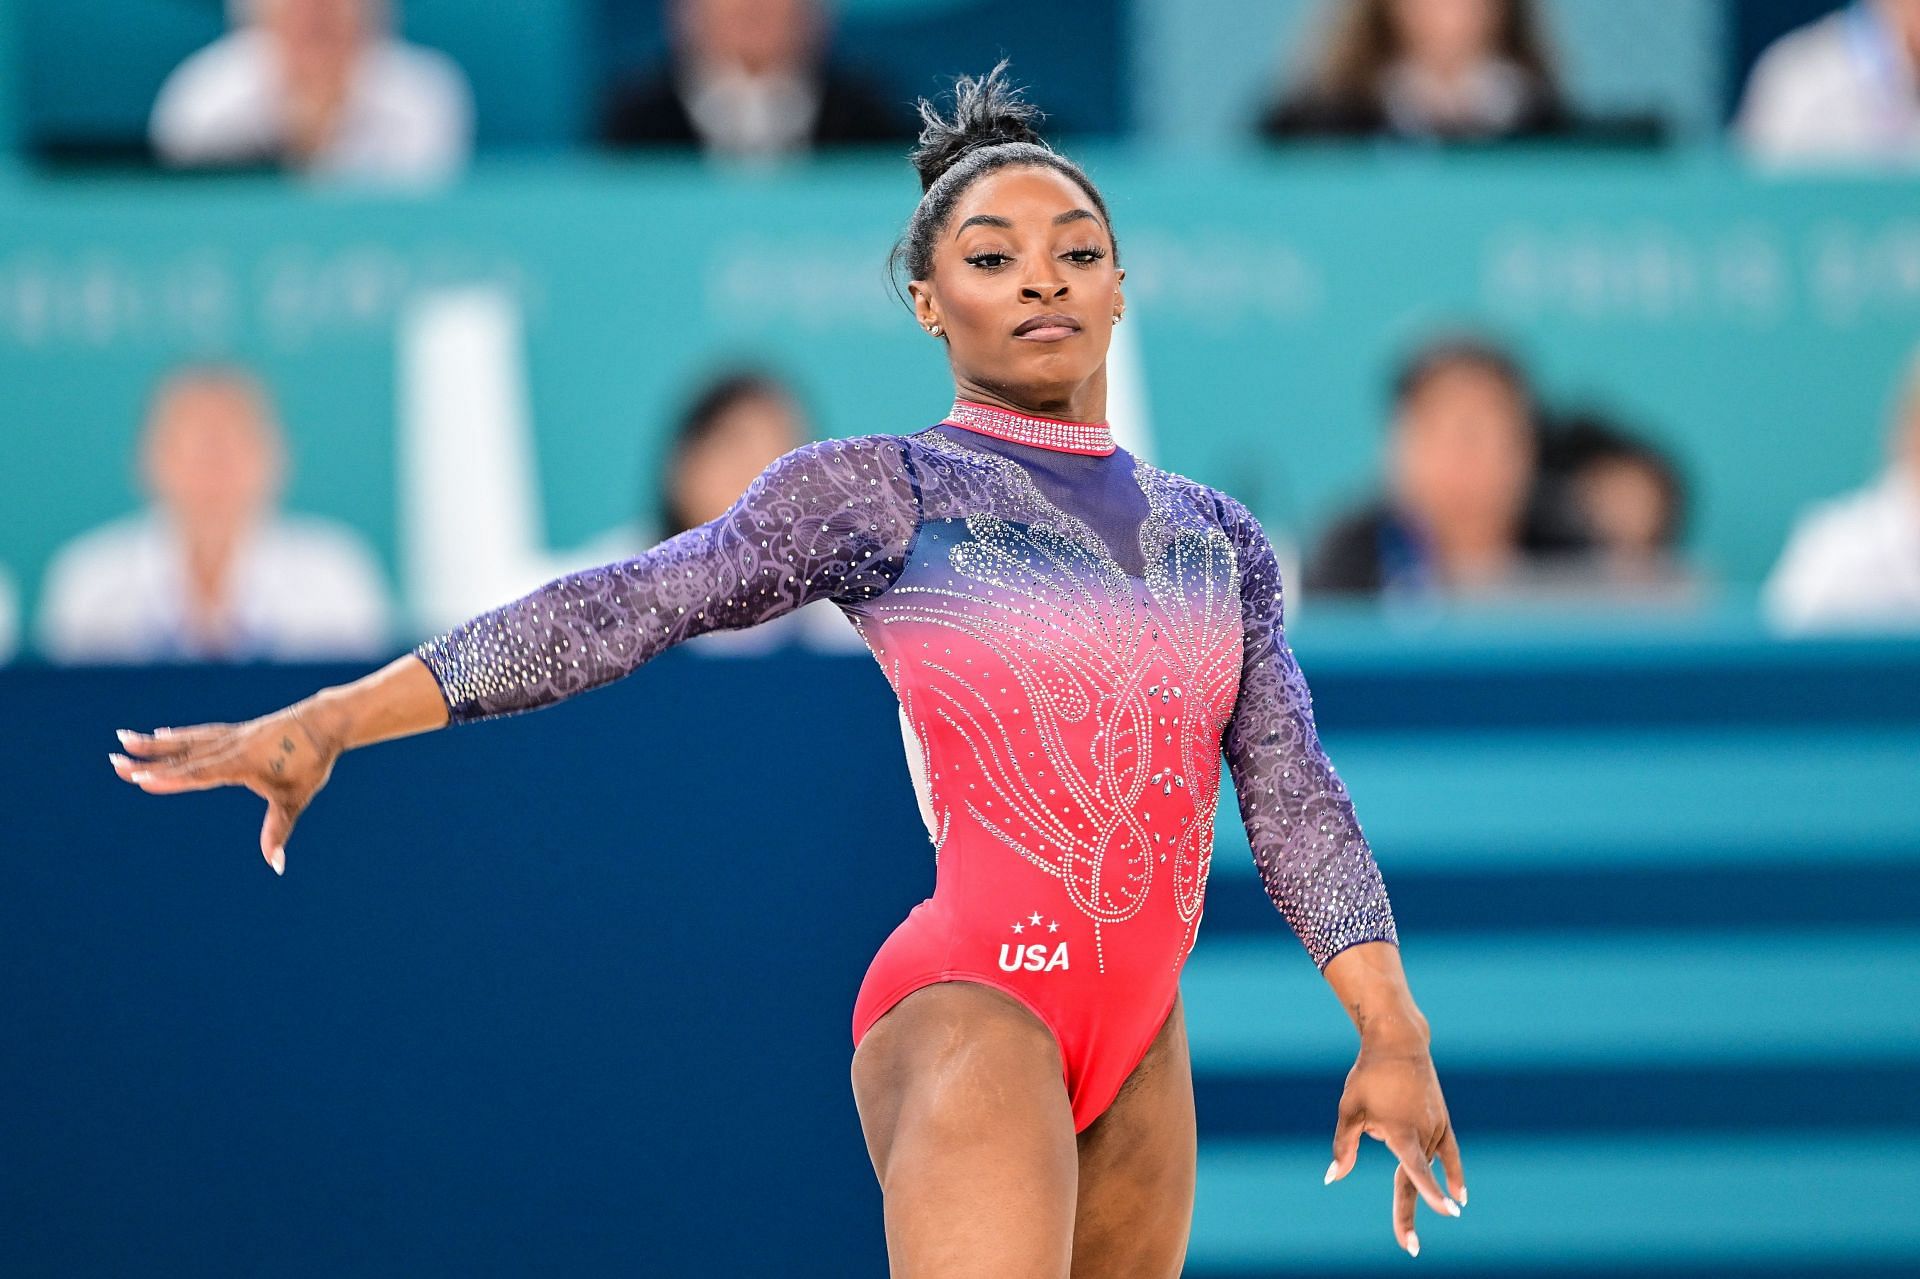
[925, 313]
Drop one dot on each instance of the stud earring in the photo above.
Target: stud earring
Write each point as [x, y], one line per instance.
[934, 329]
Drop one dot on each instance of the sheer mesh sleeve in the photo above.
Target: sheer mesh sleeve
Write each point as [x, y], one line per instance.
[1307, 843]
[832, 520]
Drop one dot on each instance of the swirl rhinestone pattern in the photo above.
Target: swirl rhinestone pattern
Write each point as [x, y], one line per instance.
[826, 521]
[1068, 677]
[1307, 843]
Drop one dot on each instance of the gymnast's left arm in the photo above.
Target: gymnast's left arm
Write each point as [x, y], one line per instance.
[1319, 871]
[826, 521]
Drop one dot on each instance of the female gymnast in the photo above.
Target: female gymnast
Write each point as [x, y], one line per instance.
[1074, 637]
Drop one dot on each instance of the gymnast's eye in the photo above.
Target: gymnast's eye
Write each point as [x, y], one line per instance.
[1085, 257]
[988, 261]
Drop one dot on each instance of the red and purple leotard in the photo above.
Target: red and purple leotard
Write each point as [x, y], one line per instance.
[1074, 637]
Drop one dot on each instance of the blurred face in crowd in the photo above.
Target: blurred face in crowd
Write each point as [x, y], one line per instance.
[749, 434]
[1025, 288]
[212, 455]
[1447, 35]
[315, 36]
[1904, 16]
[1906, 431]
[1463, 458]
[1625, 505]
[760, 37]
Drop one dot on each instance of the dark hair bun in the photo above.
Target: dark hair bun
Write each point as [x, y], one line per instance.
[987, 111]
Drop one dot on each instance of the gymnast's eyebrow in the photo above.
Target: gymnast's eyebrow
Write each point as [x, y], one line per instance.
[983, 219]
[994, 219]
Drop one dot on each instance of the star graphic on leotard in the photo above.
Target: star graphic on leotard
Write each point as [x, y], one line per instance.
[1053, 926]
[1017, 928]
[1034, 918]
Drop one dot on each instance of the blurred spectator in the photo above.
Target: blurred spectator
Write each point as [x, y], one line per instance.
[321, 86]
[212, 570]
[737, 424]
[749, 79]
[1460, 516]
[1844, 89]
[1465, 70]
[9, 618]
[1629, 498]
[1855, 561]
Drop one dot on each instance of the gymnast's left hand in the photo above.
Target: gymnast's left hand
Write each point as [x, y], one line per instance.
[1393, 1094]
[285, 758]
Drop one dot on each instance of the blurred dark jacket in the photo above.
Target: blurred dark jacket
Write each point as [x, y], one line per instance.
[651, 111]
[1311, 115]
[1535, 113]
[1375, 548]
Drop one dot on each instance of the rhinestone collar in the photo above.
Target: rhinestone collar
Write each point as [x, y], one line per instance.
[1092, 438]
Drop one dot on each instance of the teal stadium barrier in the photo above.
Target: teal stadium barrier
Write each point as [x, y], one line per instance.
[512, 1008]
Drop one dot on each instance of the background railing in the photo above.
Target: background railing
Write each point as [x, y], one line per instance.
[570, 992]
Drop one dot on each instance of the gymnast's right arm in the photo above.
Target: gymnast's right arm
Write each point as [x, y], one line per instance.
[828, 520]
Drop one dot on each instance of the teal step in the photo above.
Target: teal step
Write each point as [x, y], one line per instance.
[1607, 1205]
[1561, 1001]
[1672, 797]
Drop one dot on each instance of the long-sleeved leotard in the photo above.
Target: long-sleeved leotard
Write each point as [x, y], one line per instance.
[1074, 636]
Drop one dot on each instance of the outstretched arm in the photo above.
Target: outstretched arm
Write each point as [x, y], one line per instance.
[1319, 871]
[831, 520]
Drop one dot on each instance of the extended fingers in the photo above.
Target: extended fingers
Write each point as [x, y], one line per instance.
[1346, 1145]
[1404, 1197]
[166, 743]
[169, 777]
[1407, 1149]
[1450, 1160]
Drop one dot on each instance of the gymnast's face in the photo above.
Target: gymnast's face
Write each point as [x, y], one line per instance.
[1025, 291]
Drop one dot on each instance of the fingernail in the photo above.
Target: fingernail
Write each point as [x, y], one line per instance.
[139, 775]
[1463, 1196]
[1453, 1209]
[278, 861]
[1328, 1179]
[1413, 1244]
[163, 732]
[126, 736]
[117, 759]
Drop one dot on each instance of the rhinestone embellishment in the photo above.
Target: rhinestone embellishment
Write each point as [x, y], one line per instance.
[1092, 438]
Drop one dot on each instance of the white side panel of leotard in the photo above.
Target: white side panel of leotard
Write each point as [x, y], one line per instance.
[917, 769]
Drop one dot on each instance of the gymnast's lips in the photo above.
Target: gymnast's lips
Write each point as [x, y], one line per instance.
[1051, 327]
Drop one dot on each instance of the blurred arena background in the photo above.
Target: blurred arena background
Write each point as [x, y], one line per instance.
[1582, 387]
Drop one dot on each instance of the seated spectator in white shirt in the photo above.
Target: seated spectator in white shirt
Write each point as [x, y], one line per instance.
[1854, 562]
[1844, 90]
[320, 86]
[212, 570]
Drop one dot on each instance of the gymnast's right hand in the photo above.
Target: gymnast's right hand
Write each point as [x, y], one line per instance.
[285, 758]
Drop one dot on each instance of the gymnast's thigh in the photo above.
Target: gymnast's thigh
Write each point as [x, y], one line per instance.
[967, 1121]
[1137, 1168]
